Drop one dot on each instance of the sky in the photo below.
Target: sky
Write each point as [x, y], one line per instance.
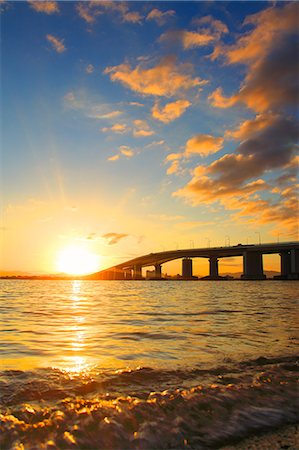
[138, 127]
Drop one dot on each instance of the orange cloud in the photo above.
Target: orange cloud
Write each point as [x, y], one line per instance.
[132, 17]
[44, 6]
[269, 26]
[165, 79]
[218, 100]
[126, 151]
[250, 127]
[114, 238]
[188, 39]
[89, 11]
[214, 25]
[142, 129]
[86, 11]
[174, 168]
[207, 190]
[282, 212]
[158, 16]
[56, 43]
[203, 144]
[170, 111]
[270, 52]
[113, 158]
[119, 128]
[268, 144]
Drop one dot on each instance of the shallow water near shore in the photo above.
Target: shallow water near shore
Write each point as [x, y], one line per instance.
[144, 365]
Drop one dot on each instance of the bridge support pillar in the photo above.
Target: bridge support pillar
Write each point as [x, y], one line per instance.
[285, 265]
[158, 271]
[294, 264]
[187, 268]
[253, 266]
[137, 272]
[214, 271]
[128, 274]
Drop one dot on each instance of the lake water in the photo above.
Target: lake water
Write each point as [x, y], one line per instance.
[145, 364]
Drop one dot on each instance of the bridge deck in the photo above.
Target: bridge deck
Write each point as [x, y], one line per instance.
[219, 252]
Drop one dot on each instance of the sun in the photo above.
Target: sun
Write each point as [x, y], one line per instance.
[77, 260]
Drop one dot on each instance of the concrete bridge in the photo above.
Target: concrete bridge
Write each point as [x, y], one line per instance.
[252, 262]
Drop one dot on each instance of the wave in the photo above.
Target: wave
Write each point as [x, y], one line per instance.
[146, 408]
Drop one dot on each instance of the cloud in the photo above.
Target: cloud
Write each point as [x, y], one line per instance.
[124, 150]
[209, 31]
[113, 158]
[92, 110]
[160, 17]
[203, 144]
[155, 144]
[188, 39]
[114, 238]
[132, 17]
[119, 128]
[44, 6]
[110, 115]
[56, 43]
[252, 126]
[218, 100]
[90, 10]
[87, 12]
[200, 144]
[165, 79]
[174, 168]
[270, 52]
[212, 25]
[268, 144]
[281, 212]
[142, 129]
[170, 111]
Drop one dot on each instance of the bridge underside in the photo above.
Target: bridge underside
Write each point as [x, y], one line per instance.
[252, 262]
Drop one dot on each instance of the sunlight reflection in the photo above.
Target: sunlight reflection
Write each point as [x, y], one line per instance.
[77, 365]
[76, 286]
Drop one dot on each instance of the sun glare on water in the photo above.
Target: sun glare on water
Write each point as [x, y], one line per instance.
[77, 261]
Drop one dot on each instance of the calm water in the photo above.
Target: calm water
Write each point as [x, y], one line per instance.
[145, 364]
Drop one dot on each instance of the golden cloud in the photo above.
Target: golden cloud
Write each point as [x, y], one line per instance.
[170, 111]
[215, 25]
[142, 129]
[165, 79]
[270, 52]
[158, 16]
[89, 11]
[126, 151]
[44, 6]
[250, 127]
[56, 43]
[203, 144]
[218, 100]
[113, 158]
[119, 128]
[188, 39]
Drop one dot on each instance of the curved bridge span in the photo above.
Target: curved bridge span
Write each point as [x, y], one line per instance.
[252, 261]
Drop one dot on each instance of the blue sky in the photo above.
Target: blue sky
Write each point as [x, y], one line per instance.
[160, 123]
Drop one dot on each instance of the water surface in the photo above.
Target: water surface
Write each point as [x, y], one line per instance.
[145, 365]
